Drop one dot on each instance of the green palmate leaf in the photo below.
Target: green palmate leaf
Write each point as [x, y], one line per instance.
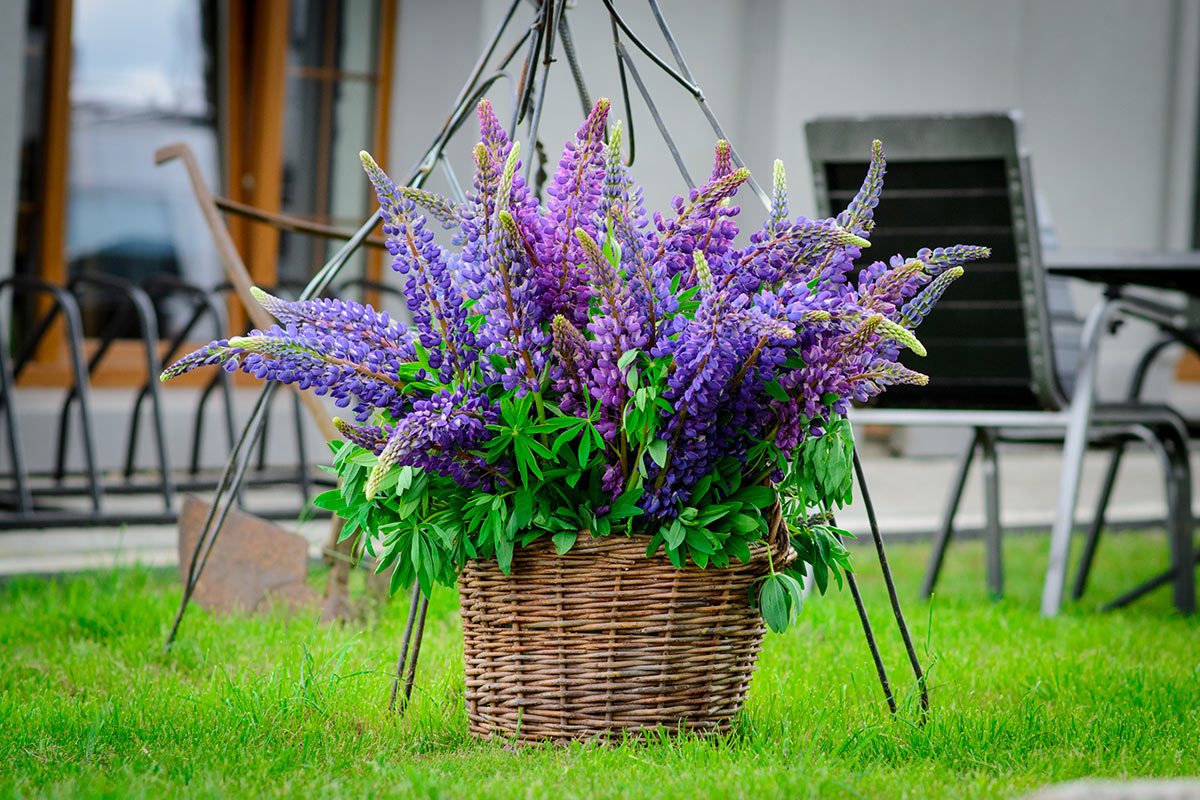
[773, 603]
[627, 358]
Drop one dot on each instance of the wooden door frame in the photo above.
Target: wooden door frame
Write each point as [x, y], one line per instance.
[253, 46]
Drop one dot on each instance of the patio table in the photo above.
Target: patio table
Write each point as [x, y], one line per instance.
[1116, 271]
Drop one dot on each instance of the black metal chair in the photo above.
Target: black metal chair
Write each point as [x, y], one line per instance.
[992, 364]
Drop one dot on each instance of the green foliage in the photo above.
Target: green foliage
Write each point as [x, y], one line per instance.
[428, 527]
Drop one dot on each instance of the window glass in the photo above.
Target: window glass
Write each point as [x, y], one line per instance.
[142, 76]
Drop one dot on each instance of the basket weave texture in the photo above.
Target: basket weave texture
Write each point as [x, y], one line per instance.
[604, 642]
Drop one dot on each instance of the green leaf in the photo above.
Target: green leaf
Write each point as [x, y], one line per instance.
[627, 358]
[330, 501]
[504, 554]
[564, 541]
[775, 390]
[658, 452]
[738, 548]
[773, 603]
[585, 449]
[674, 534]
[743, 523]
[523, 507]
[757, 496]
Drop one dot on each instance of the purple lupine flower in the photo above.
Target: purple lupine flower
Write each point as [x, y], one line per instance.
[369, 437]
[617, 327]
[438, 435]
[762, 342]
[913, 313]
[573, 199]
[859, 216]
[433, 298]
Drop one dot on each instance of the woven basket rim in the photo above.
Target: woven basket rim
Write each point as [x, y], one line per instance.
[631, 547]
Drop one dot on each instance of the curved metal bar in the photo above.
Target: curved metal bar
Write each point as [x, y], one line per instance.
[616, 34]
[535, 119]
[1074, 443]
[1170, 442]
[66, 305]
[691, 88]
[158, 288]
[1076, 435]
[7, 385]
[147, 316]
[1092, 542]
[529, 69]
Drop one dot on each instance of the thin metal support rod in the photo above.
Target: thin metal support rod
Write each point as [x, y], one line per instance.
[536, 118]
[658, 120]
[616, 34]
[763, 197]
[1092, 542]
[405, 643]
[529, 69]
[231, 477]
[416, 651]
[890, 583]
[1161, 579]
[7, 382]
[942, 540]
[568, 45]
[880, 669]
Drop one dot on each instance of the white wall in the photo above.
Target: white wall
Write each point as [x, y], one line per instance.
[1107, 89]
[12, 82]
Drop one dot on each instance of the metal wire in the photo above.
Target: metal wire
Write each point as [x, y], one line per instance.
[623, 54]
[763, 197]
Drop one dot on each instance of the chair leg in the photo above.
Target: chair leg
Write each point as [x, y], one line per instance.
[1093, 534]
[1075, 438]
[992, 530]
[1180, 530]
[942, 540]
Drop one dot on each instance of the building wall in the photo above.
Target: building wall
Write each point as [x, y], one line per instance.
[12, 83]
[1107, 90]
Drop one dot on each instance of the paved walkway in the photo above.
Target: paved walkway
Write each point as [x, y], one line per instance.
[909, 495]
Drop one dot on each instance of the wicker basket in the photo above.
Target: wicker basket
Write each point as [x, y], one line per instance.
[604, 642]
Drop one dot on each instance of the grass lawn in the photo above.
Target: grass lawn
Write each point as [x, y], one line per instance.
[272, 706]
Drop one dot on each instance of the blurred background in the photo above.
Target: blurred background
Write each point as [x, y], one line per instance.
[276, 98]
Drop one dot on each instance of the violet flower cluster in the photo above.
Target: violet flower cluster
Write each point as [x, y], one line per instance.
[761, 339]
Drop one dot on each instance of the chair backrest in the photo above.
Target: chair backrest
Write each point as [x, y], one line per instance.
[955, 180]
